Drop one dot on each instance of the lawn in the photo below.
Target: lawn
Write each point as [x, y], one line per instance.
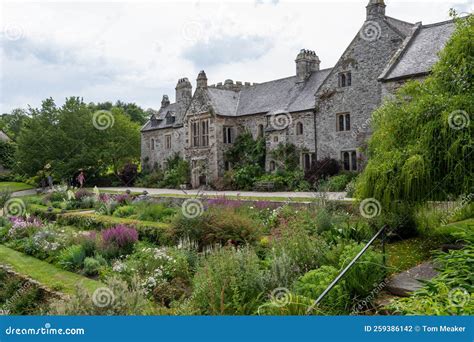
[14, 186]
[45, 273]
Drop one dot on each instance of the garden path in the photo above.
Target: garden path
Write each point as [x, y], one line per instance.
[258, 194]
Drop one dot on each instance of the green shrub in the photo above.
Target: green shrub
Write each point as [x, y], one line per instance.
[125, 211]
[217, 226]
[228, 282]
[5, 195]
[336, 183]
[245, 177]
[313, 283]
[289, 305]
[92, 266]
[294, 252]
[365, 274]
[117, 298]
[323, 221]
[147, 211]
[72, 257]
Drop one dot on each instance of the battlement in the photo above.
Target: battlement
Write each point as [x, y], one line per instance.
[230, 85]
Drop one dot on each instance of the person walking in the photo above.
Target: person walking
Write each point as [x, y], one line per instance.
[81, 179]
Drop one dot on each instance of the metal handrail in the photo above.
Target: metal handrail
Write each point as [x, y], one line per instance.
[344, 271]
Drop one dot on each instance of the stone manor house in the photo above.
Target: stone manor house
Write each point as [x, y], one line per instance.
[324, 112]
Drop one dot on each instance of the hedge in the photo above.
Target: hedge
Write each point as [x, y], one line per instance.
[155, 232]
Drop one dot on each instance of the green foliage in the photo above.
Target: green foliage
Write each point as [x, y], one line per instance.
[19, 297]
[125, 211]
[287, 156]
[92, 266]
[449, 293]
[118, 298]
[7, 154]
[156, 232]
[147, 211]
[55, 132]
[228, 282]
[313, 283]
[286, 180]
[176, 174]
[245, 176]
[366, 273]
[416, 152]
[72, 258]
[246, 151]
[217, 226]
[336, 183]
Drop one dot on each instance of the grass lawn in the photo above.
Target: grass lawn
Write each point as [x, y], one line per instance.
[14, 186]
[45, 273]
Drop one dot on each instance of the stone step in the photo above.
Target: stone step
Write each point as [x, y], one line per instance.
[402, 284]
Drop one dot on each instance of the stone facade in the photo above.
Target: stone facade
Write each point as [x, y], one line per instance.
[325, 113]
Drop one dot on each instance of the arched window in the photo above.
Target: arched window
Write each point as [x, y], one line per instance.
[152, 143]
[260, 130]
[299, 128]
[272, 166]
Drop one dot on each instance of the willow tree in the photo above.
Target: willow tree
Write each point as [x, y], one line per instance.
[422, 143]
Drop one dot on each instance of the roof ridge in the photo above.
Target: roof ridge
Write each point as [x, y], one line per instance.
[438, 23]
[402, 21]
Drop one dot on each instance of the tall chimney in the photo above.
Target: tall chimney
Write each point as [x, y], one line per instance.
[375, 8]
[184, 90]
[201, 80]
[306, 62]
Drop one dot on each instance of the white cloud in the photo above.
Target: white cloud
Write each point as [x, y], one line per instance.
[137, 51]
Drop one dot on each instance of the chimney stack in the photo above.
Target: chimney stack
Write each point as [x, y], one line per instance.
[201, 80]
[184, 90]
[306, 62]
[375, 8]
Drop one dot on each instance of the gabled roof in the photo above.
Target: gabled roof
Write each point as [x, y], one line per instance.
[420, 52]
[285, 94]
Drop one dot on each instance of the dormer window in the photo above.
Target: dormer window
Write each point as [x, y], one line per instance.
[154, 121]
[345, 79]
[170, 118]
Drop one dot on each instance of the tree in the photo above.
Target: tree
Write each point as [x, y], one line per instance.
[422, 146]
[75, 137]
[12, 123]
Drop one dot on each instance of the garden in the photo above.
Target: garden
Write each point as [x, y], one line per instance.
[223, 257]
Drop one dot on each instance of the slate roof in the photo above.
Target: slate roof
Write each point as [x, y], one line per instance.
[421, 52]
[285, 94]
[160, 117]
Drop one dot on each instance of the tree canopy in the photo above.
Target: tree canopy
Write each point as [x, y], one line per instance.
[422, 146]
[76, 136]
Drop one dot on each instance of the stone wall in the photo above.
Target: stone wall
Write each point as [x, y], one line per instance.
[159, 155]
[365, 60]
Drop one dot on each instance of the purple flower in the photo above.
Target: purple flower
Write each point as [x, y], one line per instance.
[123, 198]
[224, 202]
[81, 193]
[120, 236]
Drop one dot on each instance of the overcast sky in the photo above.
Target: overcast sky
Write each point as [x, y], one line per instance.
[136, 51]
